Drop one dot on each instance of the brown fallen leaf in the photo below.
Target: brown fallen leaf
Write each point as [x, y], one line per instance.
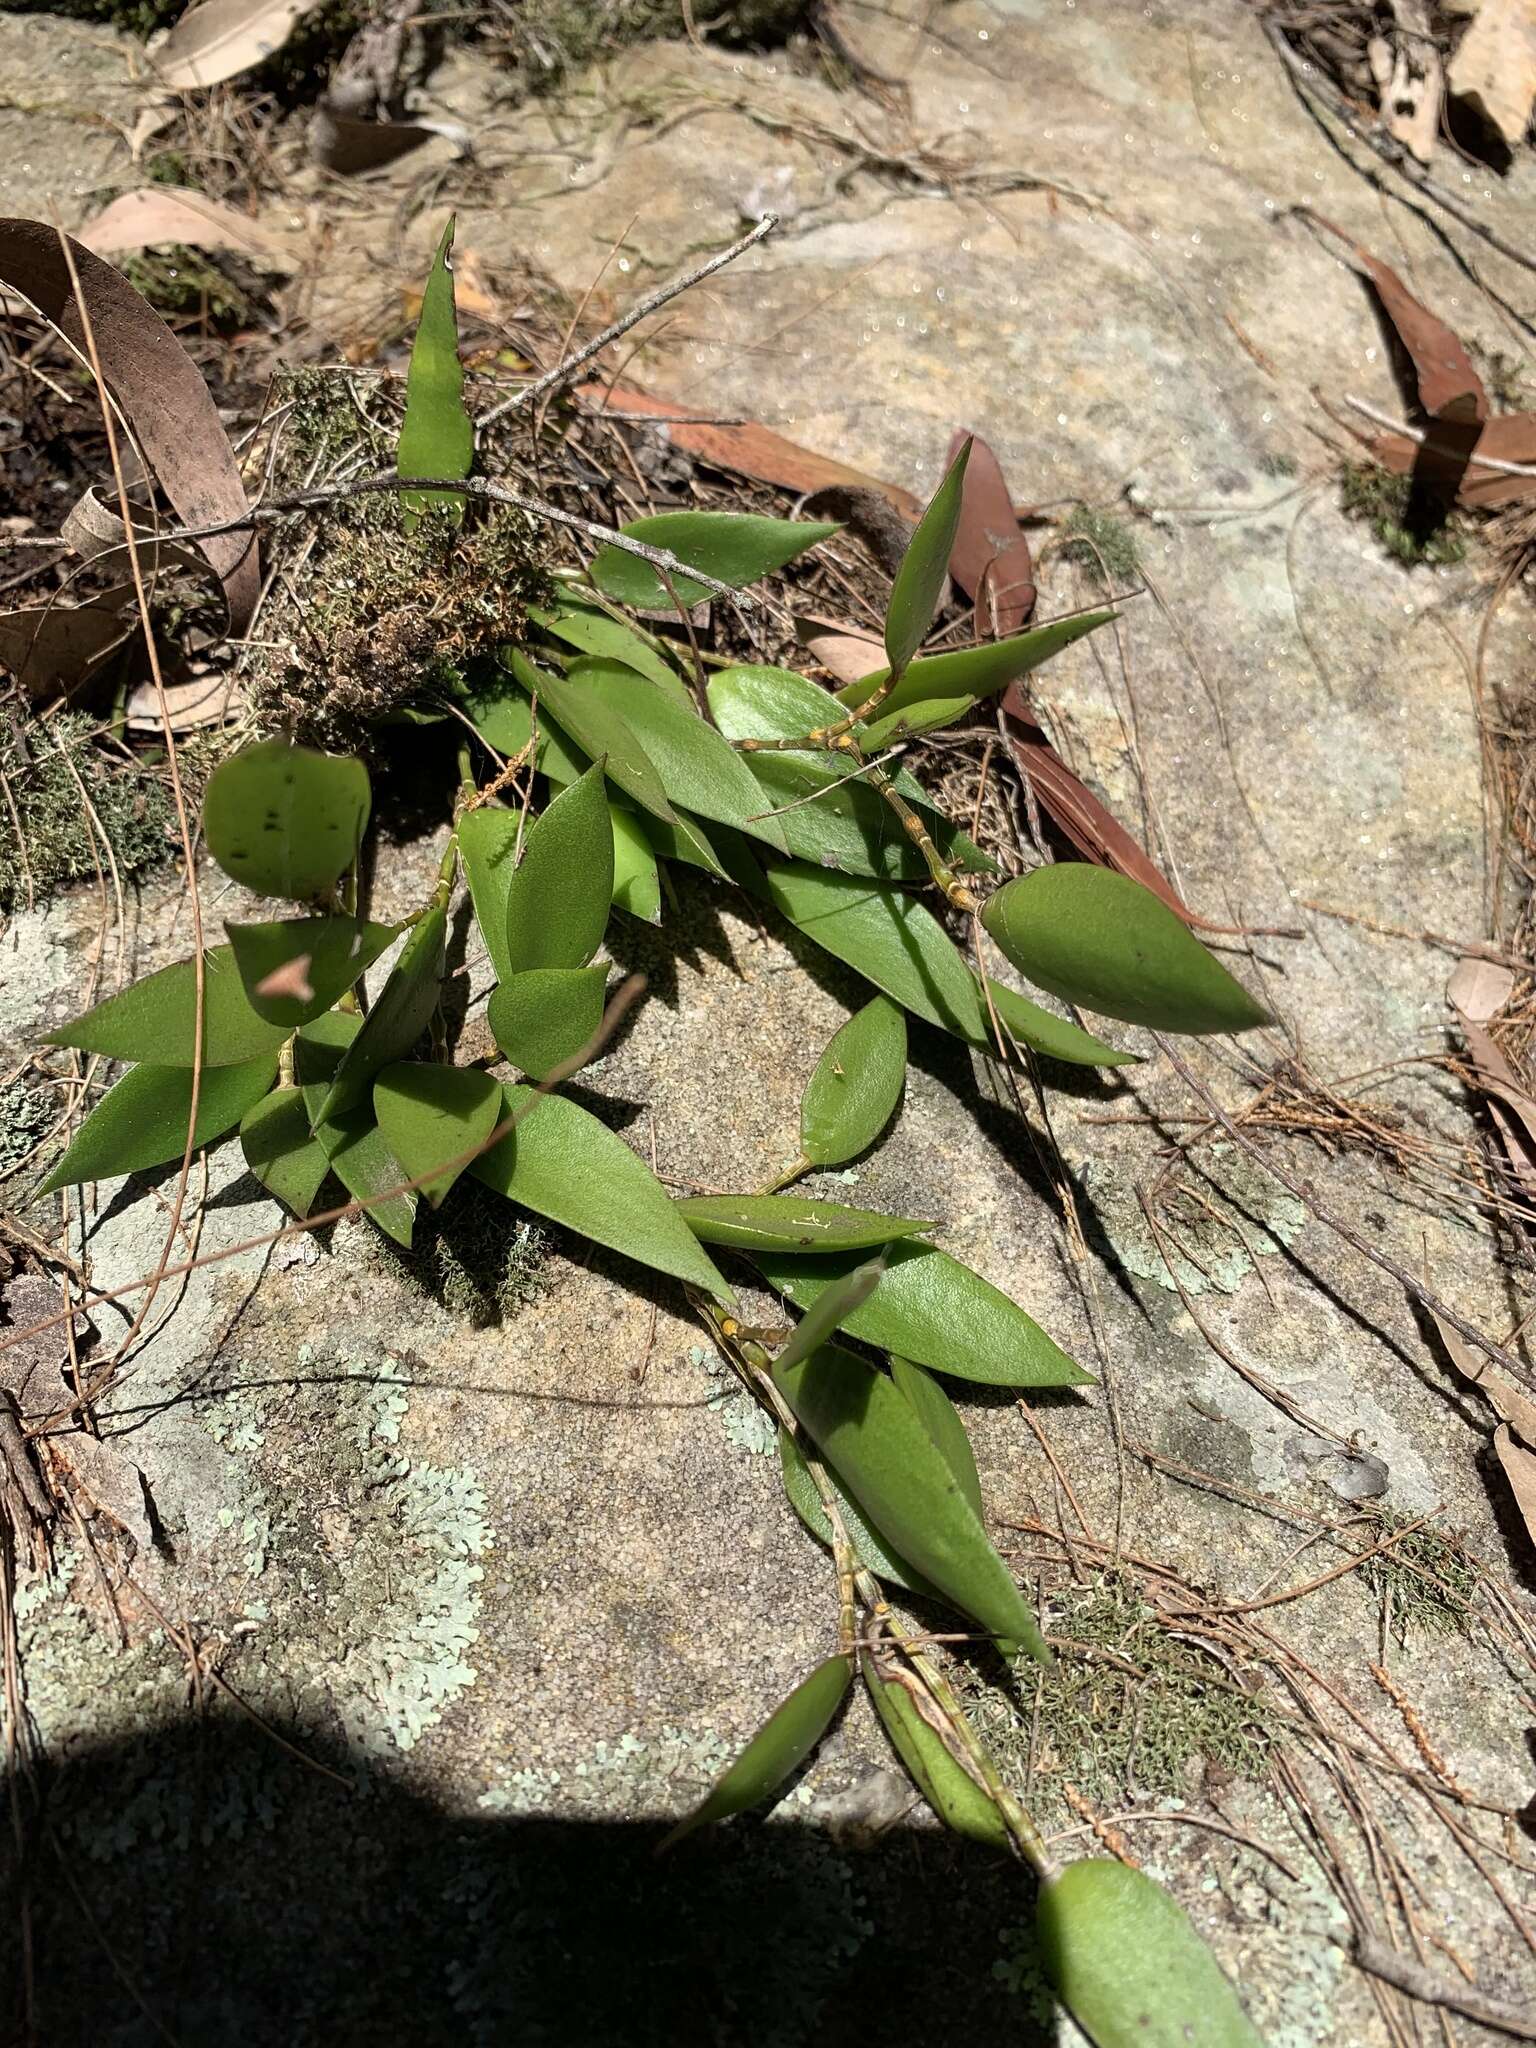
[1476, 991]
[173, 213]
[52, 648]
[1442, 369]
[353, 144]
[1509, 438]
[1494, 68]
[1519, 1467]
[157, 385]
[92, 528]
[843, 650]
[221, 38]
[990, 559]
[202, 700]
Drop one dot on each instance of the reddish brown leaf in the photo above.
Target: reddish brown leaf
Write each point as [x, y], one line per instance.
[49, 648]
[1477, 991]
[990, 560]
[847, 652]
[158, 386]
[1520, 1470]
[1509, 438]
[1448, 385]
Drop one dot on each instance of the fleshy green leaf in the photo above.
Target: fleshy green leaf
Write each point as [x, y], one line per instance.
[848, 825]
[488, 849]
[559, 894]
[636, 884]
[142, 1122]
[547, 1015]
[499, 709]
[924, 568]
[947, 1786]
[289, 1163]
[359, 1157]
[789, 1223]
[857, 1084]
[686, 840]
[1097, 938]
[893, 941]
[699, 770]
[1124, 1959]
[428, 1115]
[733, 547]
[830, 1309]
[437, 437]
[597, 730]
[874, 1553]
[598, 632]
[940, 1417]
[885, 1457]
[560, 1162]
[295, 969]
[932, 1309]
[396, 1021]
[286, 820]
[153, 1019]
[776, 1751]
[967, 673]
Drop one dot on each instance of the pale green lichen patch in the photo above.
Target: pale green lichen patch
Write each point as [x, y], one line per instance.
[746, 1426]
[1210, 1235]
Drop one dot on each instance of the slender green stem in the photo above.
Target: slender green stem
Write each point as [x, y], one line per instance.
[795, 1169]
[942, 873]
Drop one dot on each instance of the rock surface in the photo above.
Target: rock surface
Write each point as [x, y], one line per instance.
[527, 1600]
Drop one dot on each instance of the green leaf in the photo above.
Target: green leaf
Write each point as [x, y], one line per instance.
[857, 1084]
[597, 730]
[686, 840]
[932, 1309]
[789, 1223]
[1125, 1960]
[940, 1417]
[885, 1457]
[359, 1157]
[947, 1786]
[559, 894]
[488, 849]
[874, 1553]
[776, 1751]
[699, 770]
[967, 673]
[831, 1308]
[142, 1122]
[324, 956]
[289, 1163]
[286, 820]
[560, 1162]
[546, 1016]
[437, 437]
[153, 1019]
[1097, 938]
[733, 547]
[429, 1114]
[504, 715]
[893, 941]
[598, 632]
[848, 825]
[636, 884]
[396, 1021]
[924, 570]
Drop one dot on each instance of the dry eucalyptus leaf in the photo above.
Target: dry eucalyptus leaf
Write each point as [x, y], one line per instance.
[1494, 68]
[843, 650]
[222, 38]
[93, 527]
[352, 144]
[1520, 1470]
[1507, 1401]
[49, 648]
[171, 213]
[1477, 990]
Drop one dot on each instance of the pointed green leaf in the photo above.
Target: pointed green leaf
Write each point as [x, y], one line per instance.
[932, 1309]
[289, 1163]
[488, 848]
[924, 570]
[1124, 1959]
[560, 1162]
[594, 631]
[596, 729]
[142, 1122]
[890, 1464]
[636, 884]
[154, 1019]
[437, 437]
[789, 1223]
[898, 944]
[699, 770]
[546, 1016]
[498, 708]
[940, 1417]
[1097, 938]
[733, 547]
[847, 825]
[967, 673]
[944, 1782]
[428, 1115]
[558, 895]
[286, 820]
[831, 1307]
[686, 840]
[359, 1157]
[857, 1084]
[776, 1751]
[295, 969]
[397, 1019]
[874, 1553]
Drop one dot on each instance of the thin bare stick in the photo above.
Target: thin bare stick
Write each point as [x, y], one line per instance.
[564, 371]
[1420, 435]
[1416, 1981]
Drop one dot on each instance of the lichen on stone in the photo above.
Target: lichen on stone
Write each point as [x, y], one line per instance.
[745, 1424]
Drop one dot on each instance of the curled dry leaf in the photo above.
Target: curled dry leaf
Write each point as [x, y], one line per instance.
[174, 213]
[158, 387]
[1519, 1468]
[222, 38]
[1477, 991]
[990, 560]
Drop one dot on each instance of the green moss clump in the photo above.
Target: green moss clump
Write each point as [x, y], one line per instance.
[25, 1114]
[1424, 1581]
[178, 282]
[1104, 545]
[1381, 500]
[58, 842]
